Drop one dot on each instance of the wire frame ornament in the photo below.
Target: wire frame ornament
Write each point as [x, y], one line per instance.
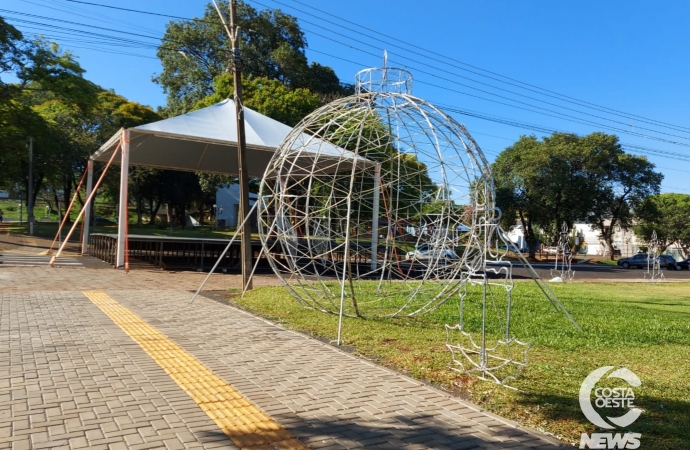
[367, 204]
[654, 272]
[380, 205]
[564, 257]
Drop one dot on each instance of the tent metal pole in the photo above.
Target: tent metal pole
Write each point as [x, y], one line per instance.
[122, 217]
[87, 212]
[62, 220]
[86, 205]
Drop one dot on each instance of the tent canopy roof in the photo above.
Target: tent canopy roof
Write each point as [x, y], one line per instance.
[206, 141]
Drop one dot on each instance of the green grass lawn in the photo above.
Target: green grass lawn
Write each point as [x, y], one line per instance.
[608, 262]
[644, 327]
[11, 209]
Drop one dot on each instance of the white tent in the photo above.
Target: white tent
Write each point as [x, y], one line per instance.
[206, 141]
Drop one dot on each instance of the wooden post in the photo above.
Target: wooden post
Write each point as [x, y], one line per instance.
[246, 247]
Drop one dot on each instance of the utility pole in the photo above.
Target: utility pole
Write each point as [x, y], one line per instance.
[30, 200]
[246, 247]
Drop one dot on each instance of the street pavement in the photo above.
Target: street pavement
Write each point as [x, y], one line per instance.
[600, 273]
[91, 357]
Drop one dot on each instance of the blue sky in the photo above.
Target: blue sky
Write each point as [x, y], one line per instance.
[625, 55]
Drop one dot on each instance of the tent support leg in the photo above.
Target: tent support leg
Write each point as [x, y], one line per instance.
[122, 217]
[86, 205]
[87, 211]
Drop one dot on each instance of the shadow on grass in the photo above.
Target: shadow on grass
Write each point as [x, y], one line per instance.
[652, 304]
[663, 425]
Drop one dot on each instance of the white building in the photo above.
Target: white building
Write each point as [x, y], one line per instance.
[228, 206]
[623, 240]
[592, 246]
[517, 235]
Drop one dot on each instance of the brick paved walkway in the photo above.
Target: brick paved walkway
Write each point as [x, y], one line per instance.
[71, 378]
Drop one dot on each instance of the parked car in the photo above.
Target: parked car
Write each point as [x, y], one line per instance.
[425, 252]
[684, 264]
[4, 194]
[640, 261]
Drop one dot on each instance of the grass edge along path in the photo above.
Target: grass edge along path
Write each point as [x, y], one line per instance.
[644, 327]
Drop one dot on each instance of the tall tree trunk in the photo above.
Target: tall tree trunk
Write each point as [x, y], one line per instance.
[139, 210]
[57, 202]
[137, 198]
[529, 236]
[182, 216]
[609, 243]
[79, 199]
[66, 197]
[154, 207]
[608, 238]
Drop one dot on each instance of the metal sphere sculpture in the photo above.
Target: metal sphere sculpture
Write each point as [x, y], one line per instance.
[367, 205]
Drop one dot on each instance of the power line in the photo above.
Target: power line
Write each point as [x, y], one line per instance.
[88, 14]
[71, 23]
[120, 41]
[558, 115]
[136, 11]
[446, 58]
[675, 188]
[476, 81]
[532, 127]
[587, 122]
[106, 39]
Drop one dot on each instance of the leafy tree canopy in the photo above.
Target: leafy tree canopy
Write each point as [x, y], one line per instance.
[568, 178]
[194, 53]
[669, 216]
[269, 97]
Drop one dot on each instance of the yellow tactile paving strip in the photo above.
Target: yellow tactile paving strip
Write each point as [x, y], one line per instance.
[237, 417]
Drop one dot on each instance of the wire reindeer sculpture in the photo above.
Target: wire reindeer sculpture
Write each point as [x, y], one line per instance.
[564, 256]
[654, 272]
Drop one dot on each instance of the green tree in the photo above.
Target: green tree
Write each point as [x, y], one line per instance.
[629, 181]
[66, 150]
[45, 73]
[566, 178]
[668, 215]
[12, 55]
[194, 53]
[69, 134]
[541, 183]
[268, 97]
